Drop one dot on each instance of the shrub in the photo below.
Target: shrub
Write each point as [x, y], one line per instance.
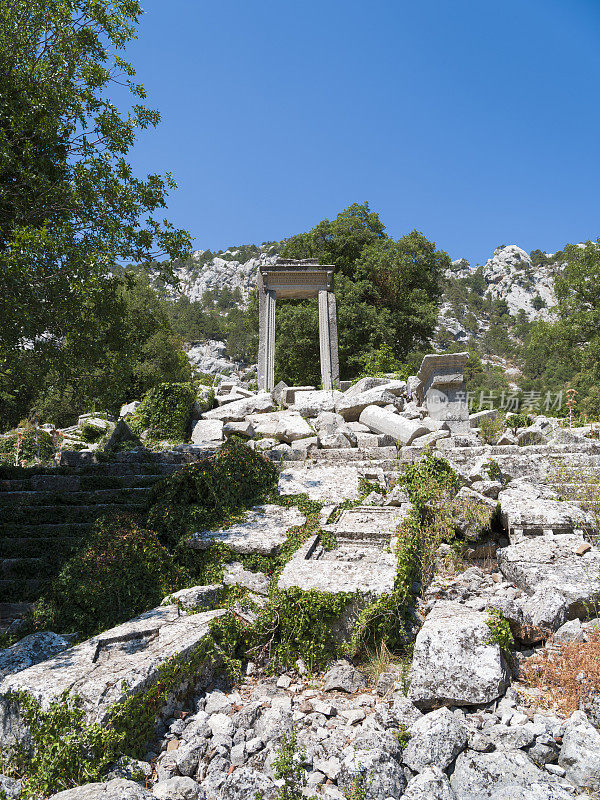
[491, 429]
[209, 492]
[64, 752]
[500, 632]
[165, 411]
[119, 572]
[516, 421]
[297, 624]
[26, 447]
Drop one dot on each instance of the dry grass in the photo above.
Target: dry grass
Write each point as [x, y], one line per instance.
[565, 674]
[378, 661]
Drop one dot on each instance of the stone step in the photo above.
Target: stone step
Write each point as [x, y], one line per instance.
[74, 483]
[64, 513]
[20, 591]
[102, 496]
[31, 547]
[17, 568]
[67, 530]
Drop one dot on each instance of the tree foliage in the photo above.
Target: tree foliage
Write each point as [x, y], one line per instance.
[70, 206]
[387, 294]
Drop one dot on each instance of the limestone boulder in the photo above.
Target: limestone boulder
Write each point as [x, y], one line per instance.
[351, 406]
[435, 740]
[177, 788]
[482, 776]
[311, 404]
[343, 677]
[430, 784]
[207, 430]
[246, 782]
[238, 410]
[455, 662]
[564, 563]
[285, 426]
[401, 429]
[580, 752]
[384, 777]
[106, 669]
[116, 789]
[263, 530]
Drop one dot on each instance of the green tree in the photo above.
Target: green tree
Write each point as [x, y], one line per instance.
[117, 345]
[339, 242]
[578, 290]
[387, 295]
[70, 206]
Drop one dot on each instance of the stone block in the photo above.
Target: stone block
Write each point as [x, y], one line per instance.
[285, 426]
[240, 409]
[207, 430]
[106, 669]
[326, 484]
[263, 530]
[454, 660]
[551, 562]
[310, 404]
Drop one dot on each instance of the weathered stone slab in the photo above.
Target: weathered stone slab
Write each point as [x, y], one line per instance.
[236, 575]
[263, 531]
[240, 409]
[371, 572]
[196, 597]
[551, 562]
[529, 510]
[430, 438]
[322, 483]
[369, 525]
[285, 426]
[401, 429]
[98, 669]
[207, 430]
[454, 661]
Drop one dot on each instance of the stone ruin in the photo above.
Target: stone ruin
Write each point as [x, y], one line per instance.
[289, 279]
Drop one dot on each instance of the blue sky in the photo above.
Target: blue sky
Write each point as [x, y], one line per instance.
[474, 121]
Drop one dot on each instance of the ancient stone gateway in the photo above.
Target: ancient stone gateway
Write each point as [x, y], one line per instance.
[295, 280]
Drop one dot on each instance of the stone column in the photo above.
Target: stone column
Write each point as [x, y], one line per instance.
[328, 341]
[266, 337]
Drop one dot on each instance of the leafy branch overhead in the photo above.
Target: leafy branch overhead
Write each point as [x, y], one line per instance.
[71, 208]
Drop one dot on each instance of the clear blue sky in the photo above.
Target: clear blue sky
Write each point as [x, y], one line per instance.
[474, 121]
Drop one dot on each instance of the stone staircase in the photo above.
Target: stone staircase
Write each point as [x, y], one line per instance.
[44, 515]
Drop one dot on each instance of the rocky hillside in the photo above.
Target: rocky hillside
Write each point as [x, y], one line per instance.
[512, 284]
[232, 269]
[512, 281]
